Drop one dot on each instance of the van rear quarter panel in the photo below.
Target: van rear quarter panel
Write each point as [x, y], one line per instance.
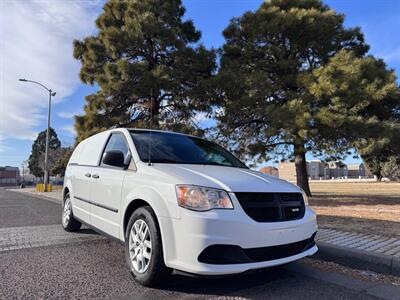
[94, 145]
[69, 172]
[85, 156]
[86, 153]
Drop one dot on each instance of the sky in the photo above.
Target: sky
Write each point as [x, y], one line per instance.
[36, 43]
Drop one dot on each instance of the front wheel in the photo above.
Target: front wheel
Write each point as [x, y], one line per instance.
[143, 248]
[69, 223]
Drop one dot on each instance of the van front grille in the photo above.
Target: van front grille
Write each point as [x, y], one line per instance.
[272, 207]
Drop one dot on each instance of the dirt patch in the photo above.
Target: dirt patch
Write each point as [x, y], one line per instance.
[363, 275]
[372, 208]
[365, 226]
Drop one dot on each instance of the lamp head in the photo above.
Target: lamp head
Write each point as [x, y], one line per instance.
[22, 79]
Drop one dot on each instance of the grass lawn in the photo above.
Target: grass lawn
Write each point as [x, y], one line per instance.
[372, 208]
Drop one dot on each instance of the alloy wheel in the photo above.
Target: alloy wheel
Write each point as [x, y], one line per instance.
[67, 212]
[140, 246]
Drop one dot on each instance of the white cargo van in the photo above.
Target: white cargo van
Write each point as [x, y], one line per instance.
[184, 203]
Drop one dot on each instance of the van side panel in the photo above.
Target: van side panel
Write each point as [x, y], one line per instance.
[93, 147]
[78, 184]
[74, 159]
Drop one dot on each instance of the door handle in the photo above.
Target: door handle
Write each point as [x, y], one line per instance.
[88, 175]
[95, 176]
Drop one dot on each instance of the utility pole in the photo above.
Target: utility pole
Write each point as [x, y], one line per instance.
[46, 155]
[23, 175]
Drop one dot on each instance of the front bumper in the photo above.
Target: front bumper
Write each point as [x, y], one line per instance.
[185, 239]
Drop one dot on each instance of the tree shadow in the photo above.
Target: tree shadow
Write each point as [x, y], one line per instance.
[344, 200]
[237, 284]
[87, 231]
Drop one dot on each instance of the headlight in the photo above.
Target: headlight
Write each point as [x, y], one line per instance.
[202, 198]
[304, 197]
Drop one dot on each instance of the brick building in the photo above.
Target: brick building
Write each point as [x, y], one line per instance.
[270, 171]
[9, 176]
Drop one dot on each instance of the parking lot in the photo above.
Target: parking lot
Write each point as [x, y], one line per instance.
[40, 260]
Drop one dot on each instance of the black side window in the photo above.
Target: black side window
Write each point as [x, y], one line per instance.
[116, 142]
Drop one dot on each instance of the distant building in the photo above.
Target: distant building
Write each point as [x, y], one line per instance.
[9, 176]
[337, 169]
[317, 169]
[270, 171]
[356, 170]
[287, 171]
[367, 171]
[363, 170]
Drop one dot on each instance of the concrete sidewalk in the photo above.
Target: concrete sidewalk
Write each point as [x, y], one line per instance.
[365, 251]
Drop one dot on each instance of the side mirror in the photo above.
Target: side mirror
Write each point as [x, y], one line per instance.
[114, 158]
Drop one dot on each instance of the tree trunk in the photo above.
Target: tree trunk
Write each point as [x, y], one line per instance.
[154, 111]
[378, 176]
[301, 169]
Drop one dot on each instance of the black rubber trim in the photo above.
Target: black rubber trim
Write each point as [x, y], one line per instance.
[82, 199]
[234, 254]
[97, 204]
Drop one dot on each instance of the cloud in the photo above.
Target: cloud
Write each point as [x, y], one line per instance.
[69, 114]
[69, 130]
[36, 43]
[3, 147]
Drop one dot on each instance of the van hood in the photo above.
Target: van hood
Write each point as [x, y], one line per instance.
[227, 178]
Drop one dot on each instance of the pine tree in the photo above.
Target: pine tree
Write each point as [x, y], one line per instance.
[294, 80]
[36, 159]
[146, 61]
[61, 161]
[391, 168]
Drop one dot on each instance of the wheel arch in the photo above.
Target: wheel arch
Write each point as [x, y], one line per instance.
[165, 232]
[132, 206]
[64, 193]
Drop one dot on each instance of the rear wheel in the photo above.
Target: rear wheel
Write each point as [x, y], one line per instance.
[143, 248]
[69, 223]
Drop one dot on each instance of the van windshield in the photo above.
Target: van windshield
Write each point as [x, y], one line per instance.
[181, 149]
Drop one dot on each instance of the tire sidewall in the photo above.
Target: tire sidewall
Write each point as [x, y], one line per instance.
[151, 274]
[73, 224]
[67, 197]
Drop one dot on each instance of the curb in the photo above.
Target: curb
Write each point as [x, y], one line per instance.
[360, 259]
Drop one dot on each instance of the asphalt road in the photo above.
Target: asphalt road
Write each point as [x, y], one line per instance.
[38, 260]
[21, 210]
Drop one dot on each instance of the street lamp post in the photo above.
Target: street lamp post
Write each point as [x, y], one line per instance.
[46, 169]
[23, 178]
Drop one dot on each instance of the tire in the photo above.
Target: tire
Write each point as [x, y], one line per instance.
[143, 248]
[68, 221]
